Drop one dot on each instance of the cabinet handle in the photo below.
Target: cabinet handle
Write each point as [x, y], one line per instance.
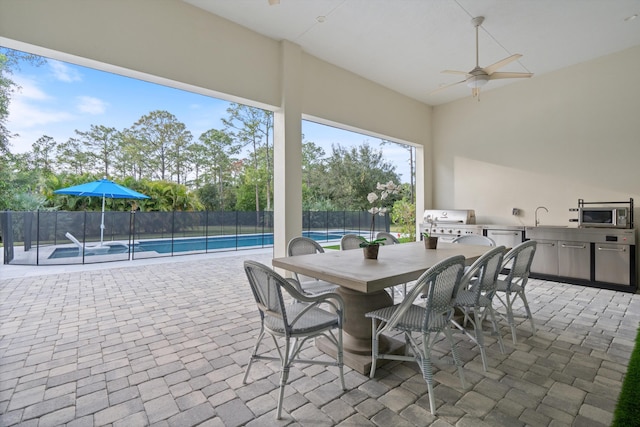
[623, 249]
[504, 233]
[574, 246]
[546, 244]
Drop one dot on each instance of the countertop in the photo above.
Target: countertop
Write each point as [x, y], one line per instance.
[502, 227]
[598, 235]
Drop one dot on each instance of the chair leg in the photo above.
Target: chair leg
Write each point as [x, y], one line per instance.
[427, 371]
[253, 355]
[340, 358]
[374, 348]
[526, 307]
[510, 318]
[494, 323]
[456, 358]
[284, 377]
[477, 326]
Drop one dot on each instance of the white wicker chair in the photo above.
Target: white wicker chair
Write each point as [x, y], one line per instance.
[350, 241]
[296, 322]
[310, 285]
[437, 287]
[392, 240]
[518, 261]
[474, 295]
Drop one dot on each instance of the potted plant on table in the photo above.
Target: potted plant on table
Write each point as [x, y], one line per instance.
[371, 246]
[430, 242]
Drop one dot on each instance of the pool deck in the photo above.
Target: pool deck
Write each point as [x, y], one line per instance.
[165, 341]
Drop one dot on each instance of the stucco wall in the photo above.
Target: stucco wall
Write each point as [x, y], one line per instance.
[173, 43]
[547, 141]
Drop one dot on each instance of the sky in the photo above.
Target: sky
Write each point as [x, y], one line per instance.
[57, 98]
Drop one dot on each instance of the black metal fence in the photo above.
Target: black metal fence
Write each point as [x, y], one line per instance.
[60, 237]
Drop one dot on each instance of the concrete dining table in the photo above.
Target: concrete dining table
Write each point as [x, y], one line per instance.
[362, 283]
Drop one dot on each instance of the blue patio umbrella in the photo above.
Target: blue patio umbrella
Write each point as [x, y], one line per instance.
[102, 188]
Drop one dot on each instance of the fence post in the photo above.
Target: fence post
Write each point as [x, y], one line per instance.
[7, 235]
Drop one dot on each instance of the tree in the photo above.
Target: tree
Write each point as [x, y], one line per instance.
[43, 154]
[160, 132]
[312, 174]
[219, 147]
[132, 158]
[101, 142]
[178, 151]
[71, 158]
[403, 215]
[9, 61]
[253, 127]
[412, 165]
[353, 174]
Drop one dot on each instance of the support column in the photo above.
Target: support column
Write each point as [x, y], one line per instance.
[422, 198]
[287, 152]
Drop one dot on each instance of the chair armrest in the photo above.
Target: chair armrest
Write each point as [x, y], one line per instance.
[295, 284]
[291, 286]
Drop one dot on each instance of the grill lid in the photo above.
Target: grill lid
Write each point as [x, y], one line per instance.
[450, 216]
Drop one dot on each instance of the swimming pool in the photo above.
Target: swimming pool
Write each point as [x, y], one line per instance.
[201, 244]
[221, 242]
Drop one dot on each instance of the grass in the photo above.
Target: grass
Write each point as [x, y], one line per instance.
[627, 411]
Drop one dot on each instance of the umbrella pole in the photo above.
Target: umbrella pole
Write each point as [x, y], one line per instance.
[102, 222]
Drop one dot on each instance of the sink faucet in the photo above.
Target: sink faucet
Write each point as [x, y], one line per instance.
[536, 215]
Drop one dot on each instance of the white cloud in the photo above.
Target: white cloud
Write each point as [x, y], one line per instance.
[91, 105]
[30, 117]
[28, 89]
[23, 114]
[63, 72]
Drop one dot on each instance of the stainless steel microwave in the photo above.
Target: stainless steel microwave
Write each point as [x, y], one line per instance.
[603, 217]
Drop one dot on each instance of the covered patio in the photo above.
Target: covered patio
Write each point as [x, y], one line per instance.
[166, 343]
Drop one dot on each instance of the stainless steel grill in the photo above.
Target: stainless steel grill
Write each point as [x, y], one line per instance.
[450, 223]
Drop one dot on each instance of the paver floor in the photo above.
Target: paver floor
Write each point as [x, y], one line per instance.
[166, 344]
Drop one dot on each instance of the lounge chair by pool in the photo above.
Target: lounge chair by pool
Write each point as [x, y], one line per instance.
[100, 249]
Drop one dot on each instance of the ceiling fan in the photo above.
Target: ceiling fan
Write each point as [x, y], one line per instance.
[479, 76]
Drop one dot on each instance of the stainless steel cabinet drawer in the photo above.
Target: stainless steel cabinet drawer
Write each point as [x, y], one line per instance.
[613, 263]
[574, 259]
[545, 261]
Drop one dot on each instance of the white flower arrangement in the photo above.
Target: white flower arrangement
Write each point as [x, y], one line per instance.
[379, 208]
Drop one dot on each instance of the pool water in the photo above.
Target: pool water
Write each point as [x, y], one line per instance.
[221, 242]
[166, 246]
[74, 252]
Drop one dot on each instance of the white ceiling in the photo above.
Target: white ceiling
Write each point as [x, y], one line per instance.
[405, 44]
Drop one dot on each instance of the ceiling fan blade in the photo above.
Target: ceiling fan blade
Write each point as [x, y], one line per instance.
[510, 76]
[464, 73]
[446, 86]
[494, 67]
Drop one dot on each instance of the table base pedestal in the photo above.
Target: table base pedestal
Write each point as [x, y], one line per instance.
[356, 335]
[360, 362]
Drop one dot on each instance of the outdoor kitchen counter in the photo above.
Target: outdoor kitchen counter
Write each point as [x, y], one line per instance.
[599, 257]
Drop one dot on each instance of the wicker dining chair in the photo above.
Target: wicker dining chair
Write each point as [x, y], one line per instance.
[390, 239]
[350, 241]
[305, 246]
[296, 322]
[474, 298]
[518, 261]
[436, 286]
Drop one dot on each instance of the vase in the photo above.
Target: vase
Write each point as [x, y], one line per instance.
[431, 243]
[371, 251]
